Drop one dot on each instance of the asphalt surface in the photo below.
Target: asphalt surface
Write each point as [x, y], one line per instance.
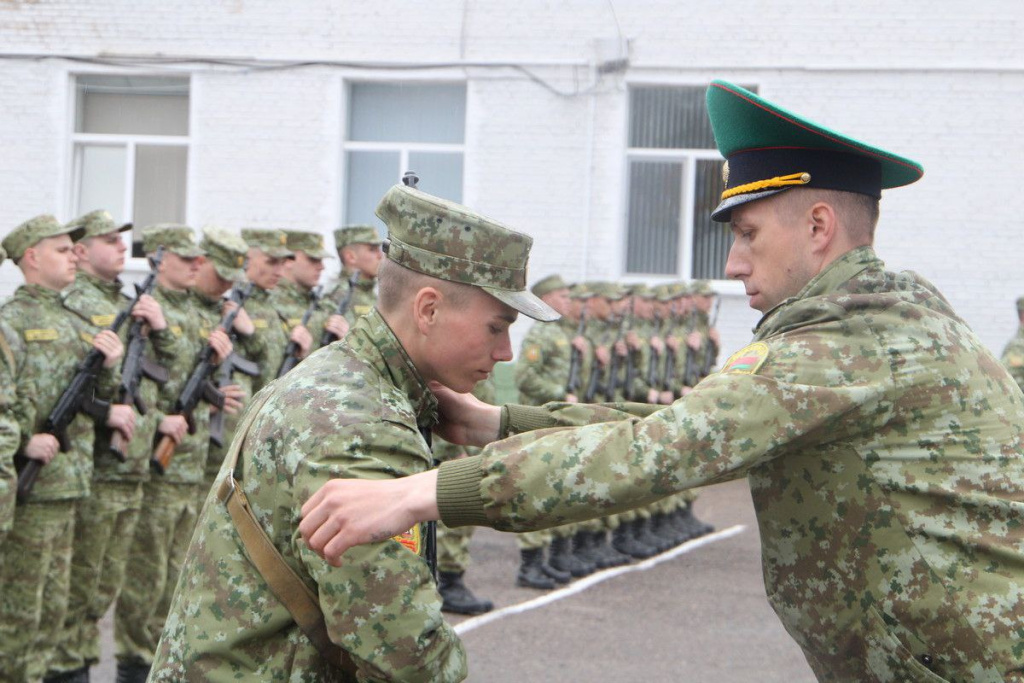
[694, 614]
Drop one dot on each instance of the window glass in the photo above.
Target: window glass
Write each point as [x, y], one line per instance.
[403, 112]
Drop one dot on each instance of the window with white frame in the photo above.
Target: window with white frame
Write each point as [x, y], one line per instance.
[131, 148]
[398, 127]
[675, 181]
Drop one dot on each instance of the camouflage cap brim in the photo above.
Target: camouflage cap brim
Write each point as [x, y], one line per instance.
[526, 303]
[232, 274]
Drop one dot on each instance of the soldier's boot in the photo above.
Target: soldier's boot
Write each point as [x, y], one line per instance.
[642, 534]
[457, 597]
[80, 675]
[561, 577]
[700, 528]
[613, 558]
[562, 558]
[623, 541]
[663, 529]
[531, 570]
[132, 671]
[582, 551]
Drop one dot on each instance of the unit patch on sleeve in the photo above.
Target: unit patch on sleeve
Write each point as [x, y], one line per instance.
[410, 539]
[747, 360]
[48, 334]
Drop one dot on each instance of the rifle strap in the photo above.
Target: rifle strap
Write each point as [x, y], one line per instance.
[300, 601]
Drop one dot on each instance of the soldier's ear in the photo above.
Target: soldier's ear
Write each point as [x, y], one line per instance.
[425, 308]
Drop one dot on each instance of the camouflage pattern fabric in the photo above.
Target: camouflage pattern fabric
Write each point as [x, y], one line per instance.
[884, 449]
[1013, 357]
[292, 302]
[363, 299]
[272, 332]
[352, 409]
[542, 368]
[10, 432]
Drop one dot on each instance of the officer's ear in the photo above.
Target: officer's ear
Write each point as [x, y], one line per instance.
[823, 226]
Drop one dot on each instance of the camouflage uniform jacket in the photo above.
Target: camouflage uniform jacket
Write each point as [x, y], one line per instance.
[54, 345]
[542, 370]
[884, 449]
[10, 433]
[184, 324]
[292, 302]
[364, 298]
[352, 409]
[637, 390]
[272, 332]
[97, 303]
[1013, 357]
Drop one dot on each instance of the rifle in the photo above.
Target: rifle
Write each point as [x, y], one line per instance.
[78, 397]
[135, 365]
[291, 357]
[593, 382]
[652, 362]
[613, 364]
[198, 387]
[668, 375]
[572, 385]
[233, 363]
[329, 337]
[712, 350]
[690, 376]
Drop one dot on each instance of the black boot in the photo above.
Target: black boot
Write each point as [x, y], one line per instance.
[606, 551]
[624, 542]
[80, 675]
[560, 577]
[564, 560]
[457, 597]
[584, 551]
[662, 529]
[132, 671]
[646, 535]
[531, 570]
[699, 528]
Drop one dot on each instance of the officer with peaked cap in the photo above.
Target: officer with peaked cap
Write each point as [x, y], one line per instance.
[884, 444]
[452, 284]
[50, 346]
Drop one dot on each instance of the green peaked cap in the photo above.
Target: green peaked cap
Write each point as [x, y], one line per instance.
[769, 149]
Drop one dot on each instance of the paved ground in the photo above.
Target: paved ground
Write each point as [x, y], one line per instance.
[694, 616]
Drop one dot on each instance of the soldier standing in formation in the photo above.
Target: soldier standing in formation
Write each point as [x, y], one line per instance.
[359, 248]
[1013, 354]
[865, 414]
[10, 433]
[49, 345]
[358, 408]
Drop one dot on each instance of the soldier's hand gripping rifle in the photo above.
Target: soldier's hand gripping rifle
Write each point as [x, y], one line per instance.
[712, 350]
[198, 387]
[329, 337]
[291, 352]
[691, 371]
[572, 384]
[614, 370]
[78, 397]
[232, 364]
[652, 361]
[135, 365]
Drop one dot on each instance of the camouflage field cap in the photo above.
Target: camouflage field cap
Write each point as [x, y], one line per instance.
[29, 233]
[98, 223]
[641, 290]
[612, 291]
[552, 283]
[226, 251]
[580, 291]
[701, 288]
[446, 240]
[273, 243]
[663, 292]
[176, 238]
[356, 234]
[770, 150]
[309, 243]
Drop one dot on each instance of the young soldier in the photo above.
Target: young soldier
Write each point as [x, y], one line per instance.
[268, 252]
[105, 521]
[163, 531]
[37, 551]
[10, 433]
[450, 289]
[293, 295]
[359, 250]
[884, 444]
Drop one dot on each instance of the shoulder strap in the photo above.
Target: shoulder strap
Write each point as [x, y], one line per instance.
[285, 584]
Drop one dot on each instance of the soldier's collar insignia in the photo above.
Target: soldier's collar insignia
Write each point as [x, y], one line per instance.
[747, 360]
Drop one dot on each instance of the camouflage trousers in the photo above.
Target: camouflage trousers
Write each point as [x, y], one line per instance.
[35, 578]
[531, 540]
[162, 535]
[104, 528]
[453, 548]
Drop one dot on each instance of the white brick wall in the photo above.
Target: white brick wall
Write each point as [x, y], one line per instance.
[940, 82]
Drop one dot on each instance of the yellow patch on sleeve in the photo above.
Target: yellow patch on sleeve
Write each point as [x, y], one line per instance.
[410, 539]
[175, 330]
[532, 354]
[103, 320]
[204, 332]
[259, 323]
[1014, 360]
[361, 309]
[747, 360]
[86, 337]
[48, 334]
[561, 342]
[292, 322]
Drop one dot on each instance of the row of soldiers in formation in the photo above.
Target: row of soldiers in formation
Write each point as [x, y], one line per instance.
[613, 343]
[90, 512]
[250, 307]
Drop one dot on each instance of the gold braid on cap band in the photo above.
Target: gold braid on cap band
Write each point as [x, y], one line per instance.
[778, 181]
